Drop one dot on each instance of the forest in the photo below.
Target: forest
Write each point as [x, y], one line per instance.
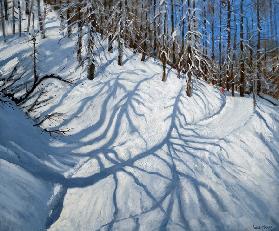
[233, 43]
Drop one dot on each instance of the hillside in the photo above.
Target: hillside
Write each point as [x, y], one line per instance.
[137, 153]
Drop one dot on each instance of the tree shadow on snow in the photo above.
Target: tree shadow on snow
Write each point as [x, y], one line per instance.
[184, 157]
[185, 160]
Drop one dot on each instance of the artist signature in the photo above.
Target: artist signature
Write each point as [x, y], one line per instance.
[262, 227]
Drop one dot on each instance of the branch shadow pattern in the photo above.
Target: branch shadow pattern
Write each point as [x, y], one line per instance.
[185, 159]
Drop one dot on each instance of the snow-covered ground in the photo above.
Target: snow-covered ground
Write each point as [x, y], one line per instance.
[139, 154]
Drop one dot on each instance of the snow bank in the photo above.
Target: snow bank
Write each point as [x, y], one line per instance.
[23, 198]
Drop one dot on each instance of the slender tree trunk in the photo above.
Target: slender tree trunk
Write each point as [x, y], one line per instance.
[143, 57]
[203, 64]
[183, 27]
[30, 14]
[61, 12]
[234, 56]
[19, 17]
[253, 74]
[164, 53]
[242, 64]
[41, 22]
[228, 44]
[142, 30]
[172, 31]
[133, 38]
[35, 75]
[189, 50]
[258, 47]
[80, 32]
[154, 28]
[6, 10]
[91, 61]
[182, 48]
[212, 25]
[27, 12]
[3, 21]
[110, 47]
[273, 63]
[204, 28]
[212, 31]
[120, 42]
[69, 21]
[13, 15]
[125, 24]
[220, 45]
[265, 60]
[164, 62]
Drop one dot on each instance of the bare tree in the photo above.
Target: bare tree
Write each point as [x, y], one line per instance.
[120, 33]
[242, 64]
[228, 75]
[3, 20]
[19, 17]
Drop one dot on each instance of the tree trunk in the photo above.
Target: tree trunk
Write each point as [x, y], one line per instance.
[182, 27]
[228, 45]
[242, 65]
[212, 31]
[6, 10]
[120, 42]
[143, 57]
[172, 31]
[27, 12]
[163, 53]
[19, 18]
[154, 28]
[35, 75]
[2, 20]
[234, 56]
[164, 62]
[110, 47]
[182, 48]
[80, 24]
[13, 15]
[91, 61]
[212, 24]
[203, 64]
[29, 15]
[258, 47]
[189, 52]
[41, 22]
[144, 31]
[68, 13]
[220, 45]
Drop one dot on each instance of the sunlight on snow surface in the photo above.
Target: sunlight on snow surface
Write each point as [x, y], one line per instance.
[139, 155]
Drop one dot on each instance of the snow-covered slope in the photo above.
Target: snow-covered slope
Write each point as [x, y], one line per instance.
[26, 159]
[139, 154]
